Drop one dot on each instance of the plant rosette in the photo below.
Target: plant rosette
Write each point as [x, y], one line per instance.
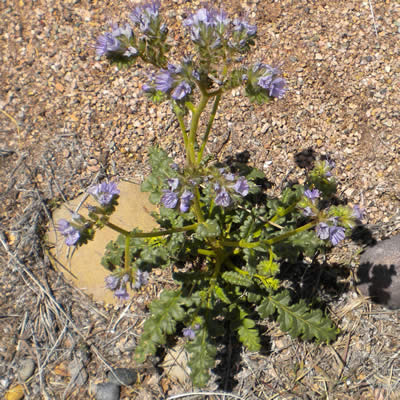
[224, 236]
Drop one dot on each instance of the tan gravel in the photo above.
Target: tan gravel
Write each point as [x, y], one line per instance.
[78, 118]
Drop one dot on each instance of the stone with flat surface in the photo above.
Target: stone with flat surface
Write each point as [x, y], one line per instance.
[82, 265]
[379, 273]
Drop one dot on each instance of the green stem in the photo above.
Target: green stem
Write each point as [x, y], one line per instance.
[219, 259]
[208, 129]
[179, 115]
[197, 207]
[150, 234]
[285, 235]
[127, 258]
[283, 213]
[195, 124]
[208, 253]
[263, 279]
[276, 239]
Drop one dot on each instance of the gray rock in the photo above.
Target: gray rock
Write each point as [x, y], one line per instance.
[379, 273]
[26, 370]
[107, 391]
[122, 376]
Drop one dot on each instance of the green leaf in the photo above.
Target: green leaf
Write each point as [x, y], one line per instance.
[298, 319]
[249, 335]
[235, 278]
[208, 229]
[267, 268]
[165, 312]
[202, 357]
[219, 292]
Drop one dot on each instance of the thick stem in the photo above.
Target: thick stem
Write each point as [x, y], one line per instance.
[195, 124]
[184, 133]
[208, 129]
[127, 257]
[197, 207]
[276, 239]
[150, 234]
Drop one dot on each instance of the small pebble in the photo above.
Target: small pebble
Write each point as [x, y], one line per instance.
[26, 370]
[122, 376]
[107, 391]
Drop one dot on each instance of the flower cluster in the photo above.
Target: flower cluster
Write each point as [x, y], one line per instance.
[142, 278]
[206, 27]
[311, 195]
[171, 196]
[223, 184]
[70, 232]
[228, 184]
[118, 284]
[267, 78]
[332, 232]
[116, 42]
[147, 18]
[175, 80]
[210, 29]
[104, 192]
[190, 333]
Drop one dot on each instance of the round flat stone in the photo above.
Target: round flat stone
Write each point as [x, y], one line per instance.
[379, 273]
[82, 265]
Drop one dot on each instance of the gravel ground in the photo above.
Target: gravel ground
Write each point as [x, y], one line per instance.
[67, 119]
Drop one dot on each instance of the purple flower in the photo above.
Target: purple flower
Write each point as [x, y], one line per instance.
[104, 192]
[142, 277]
[223, 199]
[181, 91]
[107, 43]
[164, 81]
[221, 19]
[358, 212]
[308, 212]
[147, 88]
[269, 80]
[196, 75]
[201, 16]
[186, 198]
[277, 88]
[70, 233]
[329, 164]
[145, 14]
[189, 333]
[174, 69]
[130, 51]
[336, 234]
[241, 186]
[112, 282]
[117, 31]
[121, 294]
[265, 81]
[243, 26]
[204, 26]
[312, 194]
[228, 176]
[173, 183]
[322, 230]
[169, 199]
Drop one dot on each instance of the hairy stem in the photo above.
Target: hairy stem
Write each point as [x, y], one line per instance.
[208, 129]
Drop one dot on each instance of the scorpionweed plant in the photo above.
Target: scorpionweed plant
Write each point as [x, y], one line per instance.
[223, 237]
